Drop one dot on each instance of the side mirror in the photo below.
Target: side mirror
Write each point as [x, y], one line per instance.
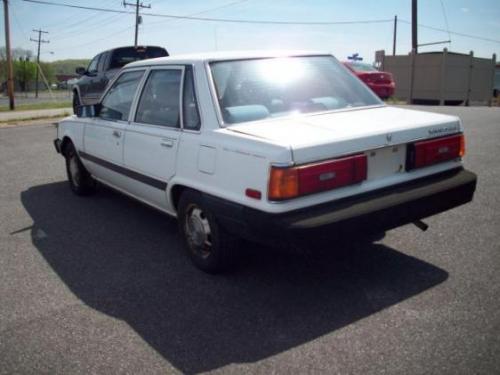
[86, 111]
[80, 70]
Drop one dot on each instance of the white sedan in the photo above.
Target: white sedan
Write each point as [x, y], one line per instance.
[272, 147]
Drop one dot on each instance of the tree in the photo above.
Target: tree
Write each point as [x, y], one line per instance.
[24, 72]
[68, 66]
[17, 53]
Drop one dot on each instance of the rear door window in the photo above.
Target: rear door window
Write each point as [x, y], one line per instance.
[190, 114]
[118, 100]
[160, 99]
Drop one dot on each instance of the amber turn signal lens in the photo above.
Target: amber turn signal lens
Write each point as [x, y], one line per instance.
[461, 152]
[283, 183]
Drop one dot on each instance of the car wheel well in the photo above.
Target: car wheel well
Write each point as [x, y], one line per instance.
[64, 145]
[175, 194]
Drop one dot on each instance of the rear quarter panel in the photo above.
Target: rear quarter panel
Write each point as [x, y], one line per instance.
[73, 128]
[223, 164]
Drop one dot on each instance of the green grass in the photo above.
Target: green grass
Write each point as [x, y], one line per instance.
[33, 106]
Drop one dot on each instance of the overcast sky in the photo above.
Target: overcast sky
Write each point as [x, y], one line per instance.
[77, 33]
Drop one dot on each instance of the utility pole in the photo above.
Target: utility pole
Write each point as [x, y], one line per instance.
[10, 74]
[39, 41]
[414, 26]
[138, 18]
[394, 36]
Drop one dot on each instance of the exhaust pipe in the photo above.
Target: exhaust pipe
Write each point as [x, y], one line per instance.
[421, 225]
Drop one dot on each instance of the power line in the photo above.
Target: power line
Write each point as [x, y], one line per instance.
[95, 40]
[211, 19]
[105, 22]
[19, 24]
[206, 11]
[127, 28]
[244, 21]
[453, 32]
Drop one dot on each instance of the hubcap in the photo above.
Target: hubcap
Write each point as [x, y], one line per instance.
[198, 231]
[74, 171]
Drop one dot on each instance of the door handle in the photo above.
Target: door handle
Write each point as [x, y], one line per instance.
[117, 134]
[167, 142]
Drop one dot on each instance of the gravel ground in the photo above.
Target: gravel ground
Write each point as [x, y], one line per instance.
[100, 285]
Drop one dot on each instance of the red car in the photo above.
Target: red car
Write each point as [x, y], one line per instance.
[380, 82]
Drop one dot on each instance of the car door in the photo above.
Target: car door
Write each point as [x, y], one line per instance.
[85, 82]
[100, 80]
[93, 91]
[153, 136]
[104, 135]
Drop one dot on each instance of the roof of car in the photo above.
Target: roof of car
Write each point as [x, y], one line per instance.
[222, 56]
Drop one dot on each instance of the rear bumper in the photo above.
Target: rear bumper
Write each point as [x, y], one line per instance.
[383, 90]
[364, 214]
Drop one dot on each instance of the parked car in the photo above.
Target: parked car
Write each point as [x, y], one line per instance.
[271, 147]
[381, 83]
[62, 85]
[103, 67]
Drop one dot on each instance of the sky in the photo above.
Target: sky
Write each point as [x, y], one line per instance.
[78, 33]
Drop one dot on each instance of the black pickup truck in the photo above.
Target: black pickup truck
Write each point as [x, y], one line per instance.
[103, 68]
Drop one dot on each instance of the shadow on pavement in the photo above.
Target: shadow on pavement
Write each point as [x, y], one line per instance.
[125, 260]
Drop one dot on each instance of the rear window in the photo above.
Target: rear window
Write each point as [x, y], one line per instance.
[255, 89]
[123, 56]
[362, 67]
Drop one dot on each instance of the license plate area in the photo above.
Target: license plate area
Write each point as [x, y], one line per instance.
[386, 161]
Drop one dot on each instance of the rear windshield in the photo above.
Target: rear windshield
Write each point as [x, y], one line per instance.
[123, 56]
[255, 89]
[362, 67]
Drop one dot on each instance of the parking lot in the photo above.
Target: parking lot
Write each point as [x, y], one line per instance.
[100, 284]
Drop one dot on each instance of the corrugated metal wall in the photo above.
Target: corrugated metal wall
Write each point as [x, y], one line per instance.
[441, 77]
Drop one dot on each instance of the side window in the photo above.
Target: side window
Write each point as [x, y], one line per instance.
[159, 103]
[102, 61]
[93, 65]
[191, 116]
[118, 100]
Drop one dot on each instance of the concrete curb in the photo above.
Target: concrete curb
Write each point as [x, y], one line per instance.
[34, 114]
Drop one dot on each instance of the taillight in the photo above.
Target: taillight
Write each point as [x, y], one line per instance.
[425, 153]
[286, 183]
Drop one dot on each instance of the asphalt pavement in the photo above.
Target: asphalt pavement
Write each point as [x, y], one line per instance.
[100, 284]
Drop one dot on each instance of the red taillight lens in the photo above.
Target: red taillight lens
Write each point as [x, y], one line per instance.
[286, 183]
[424, 153]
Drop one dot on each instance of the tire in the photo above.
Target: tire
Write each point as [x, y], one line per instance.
[76, 101]
[80, 180]
[207, 244]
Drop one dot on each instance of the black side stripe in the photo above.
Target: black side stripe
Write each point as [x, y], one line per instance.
[162, 185]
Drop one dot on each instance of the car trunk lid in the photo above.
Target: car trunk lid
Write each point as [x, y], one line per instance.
[328, 135]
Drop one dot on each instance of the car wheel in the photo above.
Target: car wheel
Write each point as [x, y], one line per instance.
[76, 101]
[80, 180]
[208, 245]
